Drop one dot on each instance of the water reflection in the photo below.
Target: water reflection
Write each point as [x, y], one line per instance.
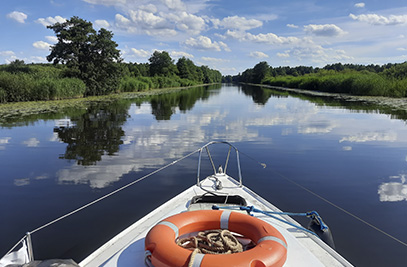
[321, 144]
[396, 190]
[164, 106]
[115, 138]
[94, 133]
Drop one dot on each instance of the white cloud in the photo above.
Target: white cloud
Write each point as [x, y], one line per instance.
[8, 56]
[292, 26]
[101, 23]
[360, 5]
[141, 52]
[149, 8]
[32, 142]
[271, 38]
[22, 182]
[187, 22]
[4, 140]
[105, 2]
[238, 35]
[284, 55]
[395, 190]
[308, 50]
[214, 59]
[50, 20]
[375, 19]
[52, 39]
[371, 137]
[122, 21]
[238, 23]
[147, 19]
[7, 53]
[36, 59]
[42, 45]
[258, 54]
[174, 4]
[179, 54]
[205, 43]
[324, 30]
[20, 17]
[141, 21]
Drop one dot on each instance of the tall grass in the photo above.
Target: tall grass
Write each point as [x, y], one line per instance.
[138, 84]
[351, 82]
[15, 87]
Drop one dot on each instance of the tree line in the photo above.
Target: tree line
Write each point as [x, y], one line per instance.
[375, 80]
[86, 62]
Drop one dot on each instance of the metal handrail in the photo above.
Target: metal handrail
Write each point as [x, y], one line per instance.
[206, 147]
[27, 237]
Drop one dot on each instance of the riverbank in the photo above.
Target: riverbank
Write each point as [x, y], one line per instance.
[13, 110]
[393, 103]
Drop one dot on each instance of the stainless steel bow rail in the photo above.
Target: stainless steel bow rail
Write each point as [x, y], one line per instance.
[26, 242]
[206, 147]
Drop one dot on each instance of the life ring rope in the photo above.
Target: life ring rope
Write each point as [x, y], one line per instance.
[270, 249]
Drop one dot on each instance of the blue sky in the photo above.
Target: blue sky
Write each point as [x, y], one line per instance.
[230, 35]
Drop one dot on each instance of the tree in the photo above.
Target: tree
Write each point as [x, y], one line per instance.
[161, 64]
[260, 71]
[17, 66]
[187, 70]
[90, 56]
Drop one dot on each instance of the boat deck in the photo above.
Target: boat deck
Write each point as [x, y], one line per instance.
[127, 248]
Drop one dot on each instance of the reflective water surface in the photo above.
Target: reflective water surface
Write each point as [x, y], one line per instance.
[352, 155]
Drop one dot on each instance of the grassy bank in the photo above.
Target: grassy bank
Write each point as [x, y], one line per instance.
[388, 80]
[36, 82]
[19, 111]
[350, 82]
[140, 84]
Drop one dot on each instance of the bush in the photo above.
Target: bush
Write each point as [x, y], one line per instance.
[24, 87]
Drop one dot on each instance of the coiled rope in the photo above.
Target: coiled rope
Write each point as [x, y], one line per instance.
[212, 242]
[220, 241]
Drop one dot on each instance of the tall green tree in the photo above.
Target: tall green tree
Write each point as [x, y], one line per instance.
[260, 71]
[161, 64]
[90, 56]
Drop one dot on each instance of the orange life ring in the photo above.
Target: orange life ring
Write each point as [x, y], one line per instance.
[270, 249]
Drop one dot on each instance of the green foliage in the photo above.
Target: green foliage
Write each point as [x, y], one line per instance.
[90, 56]
[137, 84]
[372, 80]
[15, 87]
[161, 64]
[260, 71]
[86, 63]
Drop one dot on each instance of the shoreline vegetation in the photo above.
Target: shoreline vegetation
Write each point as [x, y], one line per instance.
[86, 62]
[12, 110]
[20, 82]
[395, 104]
[389, 80]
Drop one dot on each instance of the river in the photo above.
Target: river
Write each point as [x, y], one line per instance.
[348, 161]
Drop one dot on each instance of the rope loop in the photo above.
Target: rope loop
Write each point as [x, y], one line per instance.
[212, 242]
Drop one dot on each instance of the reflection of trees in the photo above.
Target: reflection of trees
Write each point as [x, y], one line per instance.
[164, 106]
[95, 133]
[259, 95]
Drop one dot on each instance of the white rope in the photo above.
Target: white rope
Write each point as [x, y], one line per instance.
[112, 193]
[342, 209]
